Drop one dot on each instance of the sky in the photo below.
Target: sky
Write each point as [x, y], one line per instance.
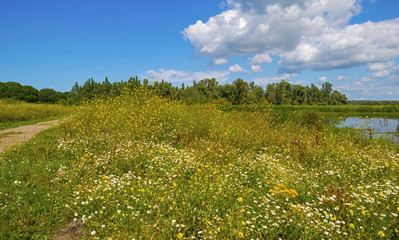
[350, 43]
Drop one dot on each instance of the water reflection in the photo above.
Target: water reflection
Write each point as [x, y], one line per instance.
[373, 127]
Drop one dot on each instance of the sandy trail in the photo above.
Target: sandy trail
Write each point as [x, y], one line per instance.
[13, 136]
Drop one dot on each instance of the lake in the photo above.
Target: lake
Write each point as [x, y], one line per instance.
[375, 127]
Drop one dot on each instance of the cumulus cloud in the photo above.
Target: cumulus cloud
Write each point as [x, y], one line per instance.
[177, 76]
[323, 79]
[306, 34]
[256, 68]
[220, 61]
[380, 74]
[347, 47]
[261, 59]
[237, 68]
[366, 90]
[379, 66]
[266, 80]
[382, 83]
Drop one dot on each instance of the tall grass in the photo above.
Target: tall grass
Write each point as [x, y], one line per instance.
[324, 109]
[10, 113]
[141, 167]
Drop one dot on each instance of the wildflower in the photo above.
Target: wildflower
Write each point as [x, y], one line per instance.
[240, 199]
[92, 233]
[180, 235]
[381, 234]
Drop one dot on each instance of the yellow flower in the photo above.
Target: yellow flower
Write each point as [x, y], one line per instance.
[351, 225]
[240, 199]
[381, 234]
[180, 235]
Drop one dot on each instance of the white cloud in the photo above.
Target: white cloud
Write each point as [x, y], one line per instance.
[261, 59]
[256, 68]
[177, 76]
[380, 74]
[220, 61]
[237, 68]
[346, 47]
[342, 78]
[369, 91]
[306, 34]
[263, 81]
[379, 66]
[323, 79]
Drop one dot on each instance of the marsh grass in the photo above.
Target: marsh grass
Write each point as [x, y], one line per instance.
[139, 166]
[344, 109]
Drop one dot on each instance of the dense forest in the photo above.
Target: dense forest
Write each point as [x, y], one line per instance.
[206, 90]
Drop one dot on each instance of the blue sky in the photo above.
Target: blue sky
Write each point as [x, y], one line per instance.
[352, 44]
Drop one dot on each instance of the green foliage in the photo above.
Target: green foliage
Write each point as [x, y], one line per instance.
[15, 91]
[141, 166]
[322, 107]
[204, 91]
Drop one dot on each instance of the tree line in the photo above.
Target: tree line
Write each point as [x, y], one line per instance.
[16, 91]
[206, 90]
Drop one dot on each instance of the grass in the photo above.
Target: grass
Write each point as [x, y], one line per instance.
[139, 166]
[28, 199]
[358, 109]
[8, 134]
[19, 113]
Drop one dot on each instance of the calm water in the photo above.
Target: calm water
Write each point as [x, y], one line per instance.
[377, 126]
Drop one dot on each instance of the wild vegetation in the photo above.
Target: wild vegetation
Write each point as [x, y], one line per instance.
[138, 166]
[346, 109]
[238, 92]
[16, 91]
[14, 113]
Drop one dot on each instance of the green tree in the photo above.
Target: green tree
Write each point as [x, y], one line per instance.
[47, 95]
[271, 94]
[299, 94]
[284, 93]
[241, 91]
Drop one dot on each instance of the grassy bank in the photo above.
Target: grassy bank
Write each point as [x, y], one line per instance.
[139, 166]
[384, 109]
[20, 113]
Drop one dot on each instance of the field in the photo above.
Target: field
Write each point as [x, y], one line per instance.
[138, 166]
[14, 113]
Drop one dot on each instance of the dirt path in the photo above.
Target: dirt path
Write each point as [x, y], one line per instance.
[13, 136]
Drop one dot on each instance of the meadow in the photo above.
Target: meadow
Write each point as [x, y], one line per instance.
[138, 166]
[17, 113]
